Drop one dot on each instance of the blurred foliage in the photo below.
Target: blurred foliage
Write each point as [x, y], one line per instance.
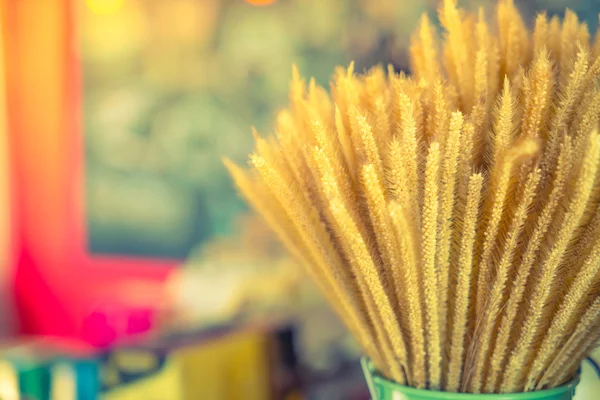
[172, 85]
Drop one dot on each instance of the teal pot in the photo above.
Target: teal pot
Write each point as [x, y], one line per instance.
[383, 389]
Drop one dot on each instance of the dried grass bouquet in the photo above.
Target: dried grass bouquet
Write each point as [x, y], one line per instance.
[451, 216]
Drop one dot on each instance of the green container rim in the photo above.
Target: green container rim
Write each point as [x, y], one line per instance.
[375, 381]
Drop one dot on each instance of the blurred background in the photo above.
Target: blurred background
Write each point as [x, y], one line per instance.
[158, 91]
[172, 85]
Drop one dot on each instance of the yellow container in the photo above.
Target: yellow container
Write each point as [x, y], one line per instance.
[228, 368]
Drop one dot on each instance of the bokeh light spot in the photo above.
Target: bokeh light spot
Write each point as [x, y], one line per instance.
[104, 7]
[260, 2]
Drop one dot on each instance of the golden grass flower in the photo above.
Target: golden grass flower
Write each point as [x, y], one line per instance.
[451, 216]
